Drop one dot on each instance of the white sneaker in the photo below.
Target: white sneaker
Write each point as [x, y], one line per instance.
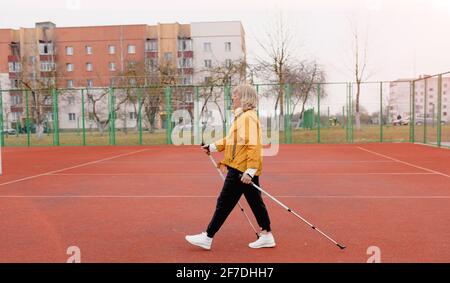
[264, 241]
[202, 240]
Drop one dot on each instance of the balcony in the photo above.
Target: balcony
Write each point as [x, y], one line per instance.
[186, 71]
[13, 58]
[151, 54]
[186, 54]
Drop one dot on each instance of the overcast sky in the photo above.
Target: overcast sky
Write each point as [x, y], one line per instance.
[405, 38]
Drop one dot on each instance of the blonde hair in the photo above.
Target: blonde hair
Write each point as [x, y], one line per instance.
[247, 94]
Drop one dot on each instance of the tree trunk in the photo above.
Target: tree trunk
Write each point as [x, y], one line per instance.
[357, 112]
[39, 131]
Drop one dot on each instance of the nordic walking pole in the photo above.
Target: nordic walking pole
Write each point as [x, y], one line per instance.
[301, 218]
[223, 178]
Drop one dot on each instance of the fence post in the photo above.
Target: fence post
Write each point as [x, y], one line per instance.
[381, 112]
[27, 121]
[139, 94]
[2, 139]
[425, 113]
[55, 118]
[439, 111]
[168, 96]
[227, 109]
[412, 118]
[112, 122]
[83, 122]
[347, 112]
[328, 116]
[351, 114]
[318, 113]
[197, 124]
[287, 114]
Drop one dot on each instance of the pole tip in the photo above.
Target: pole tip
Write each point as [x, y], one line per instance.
[341, 246]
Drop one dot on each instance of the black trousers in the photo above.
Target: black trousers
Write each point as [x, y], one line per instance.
[232, 191]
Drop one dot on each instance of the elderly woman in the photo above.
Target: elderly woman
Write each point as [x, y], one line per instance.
[243, 159]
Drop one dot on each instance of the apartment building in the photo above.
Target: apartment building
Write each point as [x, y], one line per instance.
[426, 98]
[95, 57]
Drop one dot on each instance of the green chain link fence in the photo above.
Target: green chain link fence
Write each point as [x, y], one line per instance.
[397, 111]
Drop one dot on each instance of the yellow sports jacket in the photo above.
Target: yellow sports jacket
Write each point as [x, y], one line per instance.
[242, 145]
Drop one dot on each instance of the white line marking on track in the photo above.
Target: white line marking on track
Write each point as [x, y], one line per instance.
[175, 174]
[403, 162]
[72, 167]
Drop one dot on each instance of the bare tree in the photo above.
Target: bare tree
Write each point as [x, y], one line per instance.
[278, 52]
[360, 67]
[303, 78]
[220, 76]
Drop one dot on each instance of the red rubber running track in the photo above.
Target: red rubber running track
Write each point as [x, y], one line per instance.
[136, 204]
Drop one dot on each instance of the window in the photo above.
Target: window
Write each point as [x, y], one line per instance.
[112, 66]
[112, 49]
[131, 49]
[32, 60]
[69, 50]
[71, 116]
[14, 67]
[16, 100]
[207, 80]
[15, 49]
[207, 46]
[208, 63]
[69, 83]
[45, 48]
[69, 67]
[188, 97]
[227, 46]
[168, 56]
[132, 81]
[112, 81]
[48, 100]
[184, 62]
[184, 45]
[431, 89]
[14, 83]
[151, 45]
[187, 80]
[445, 113]
[16, 116]
[47, 66]
[90, 83]
[228, 63]
[444, 106]
[88, 50]
[71, 100]
[133, 115]
[49, 116]
[89, 67]
[91, 116]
